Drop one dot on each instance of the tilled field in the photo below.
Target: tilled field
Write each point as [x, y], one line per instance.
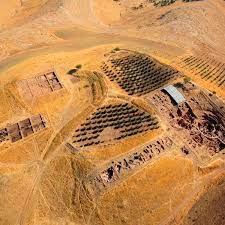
[136, 73]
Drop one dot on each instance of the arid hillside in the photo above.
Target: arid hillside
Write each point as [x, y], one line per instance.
[186, 24]
[112, 112]
[8, 10]
[192, 25]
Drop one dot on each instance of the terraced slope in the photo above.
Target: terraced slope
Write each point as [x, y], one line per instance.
[137, 73]
[206, 68]
[113, 122]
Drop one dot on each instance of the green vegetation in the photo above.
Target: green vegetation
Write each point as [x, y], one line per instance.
[116, 49]
[187, 80]
[72, 71]
[78, 66]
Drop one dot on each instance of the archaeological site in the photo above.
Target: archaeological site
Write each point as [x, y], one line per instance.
[112, 112]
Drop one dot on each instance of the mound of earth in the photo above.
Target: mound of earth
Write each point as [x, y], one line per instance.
[112, 112]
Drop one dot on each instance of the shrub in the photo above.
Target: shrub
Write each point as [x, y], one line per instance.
[78, 66]
[187, 80]
[72, 71]
[116, 49]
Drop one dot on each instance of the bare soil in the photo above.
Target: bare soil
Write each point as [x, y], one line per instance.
[83, 145]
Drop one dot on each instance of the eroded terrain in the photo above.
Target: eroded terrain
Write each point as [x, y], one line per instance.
[106, 120]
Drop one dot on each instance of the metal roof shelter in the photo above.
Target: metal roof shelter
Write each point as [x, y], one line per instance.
[174, 94]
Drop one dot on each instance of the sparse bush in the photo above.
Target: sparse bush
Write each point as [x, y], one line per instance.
[116, 49]
[187, 80]
[72, 71]
[78, 66]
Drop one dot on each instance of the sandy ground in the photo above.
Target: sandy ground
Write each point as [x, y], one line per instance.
[41, 181]
[39, 30]
[8, 11]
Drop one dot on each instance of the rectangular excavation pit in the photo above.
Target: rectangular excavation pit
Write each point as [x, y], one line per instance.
[3, 135]
[44, 85]
[38, 123]
[22, 129]
[200, 121]
[38, 86]
[131, 161]
[26, 127]
[34, 87]
[14, 132]
[54, 81]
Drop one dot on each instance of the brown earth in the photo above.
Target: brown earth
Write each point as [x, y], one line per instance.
[45, 178]
[211, 203]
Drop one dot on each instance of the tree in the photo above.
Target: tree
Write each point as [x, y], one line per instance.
[187, 80]
[116, 49]
[78, 66]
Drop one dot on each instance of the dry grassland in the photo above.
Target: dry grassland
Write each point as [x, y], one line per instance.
[78, 149]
